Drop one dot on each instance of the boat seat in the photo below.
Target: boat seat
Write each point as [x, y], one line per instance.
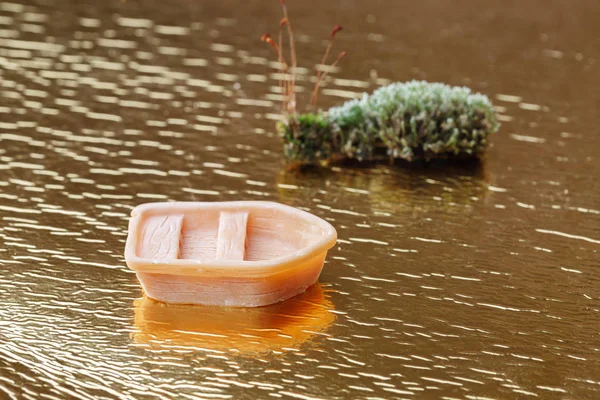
[231, 238]
[161, 237]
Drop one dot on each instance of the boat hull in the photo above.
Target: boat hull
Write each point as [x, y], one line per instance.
[236, 254]
[230, 291]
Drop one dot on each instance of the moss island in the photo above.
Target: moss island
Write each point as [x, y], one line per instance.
[410, 121]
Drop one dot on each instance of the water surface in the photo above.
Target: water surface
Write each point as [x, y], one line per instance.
[455, 282]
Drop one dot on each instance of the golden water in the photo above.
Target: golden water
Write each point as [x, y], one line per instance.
[470, 281]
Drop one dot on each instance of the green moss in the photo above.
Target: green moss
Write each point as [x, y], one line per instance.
[413, 120]
[307, 138]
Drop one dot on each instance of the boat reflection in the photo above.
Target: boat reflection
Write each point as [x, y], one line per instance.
[278, 327]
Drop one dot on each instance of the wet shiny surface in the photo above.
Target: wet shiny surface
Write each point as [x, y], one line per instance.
[471, 281]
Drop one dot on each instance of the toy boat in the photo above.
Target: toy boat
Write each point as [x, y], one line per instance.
[245, 331]
[240, 254]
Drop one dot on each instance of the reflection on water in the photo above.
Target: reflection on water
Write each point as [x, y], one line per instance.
[419, 188]
[249, 331]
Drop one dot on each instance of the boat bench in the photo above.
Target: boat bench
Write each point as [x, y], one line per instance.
[164, 236]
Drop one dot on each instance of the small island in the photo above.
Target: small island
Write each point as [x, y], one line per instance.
[415, 120]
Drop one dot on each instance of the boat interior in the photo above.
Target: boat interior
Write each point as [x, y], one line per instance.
[229, 235]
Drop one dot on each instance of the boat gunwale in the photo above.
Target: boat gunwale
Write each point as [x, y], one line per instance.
[178, 266]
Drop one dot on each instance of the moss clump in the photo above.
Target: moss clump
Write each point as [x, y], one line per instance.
[307, 138]
[413, 120]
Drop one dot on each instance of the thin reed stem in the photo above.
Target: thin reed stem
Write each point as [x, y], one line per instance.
[282, 66]
[322, 77]
[283, 86]
[336, 29]
[292, 88]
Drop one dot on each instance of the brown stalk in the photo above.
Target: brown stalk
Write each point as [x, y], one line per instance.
[282, 67]
[283, 64]
[336, 29]
[283, 81]
[292, 83]
[323, 75]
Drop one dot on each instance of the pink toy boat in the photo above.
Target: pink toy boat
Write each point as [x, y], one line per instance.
[241, 254]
